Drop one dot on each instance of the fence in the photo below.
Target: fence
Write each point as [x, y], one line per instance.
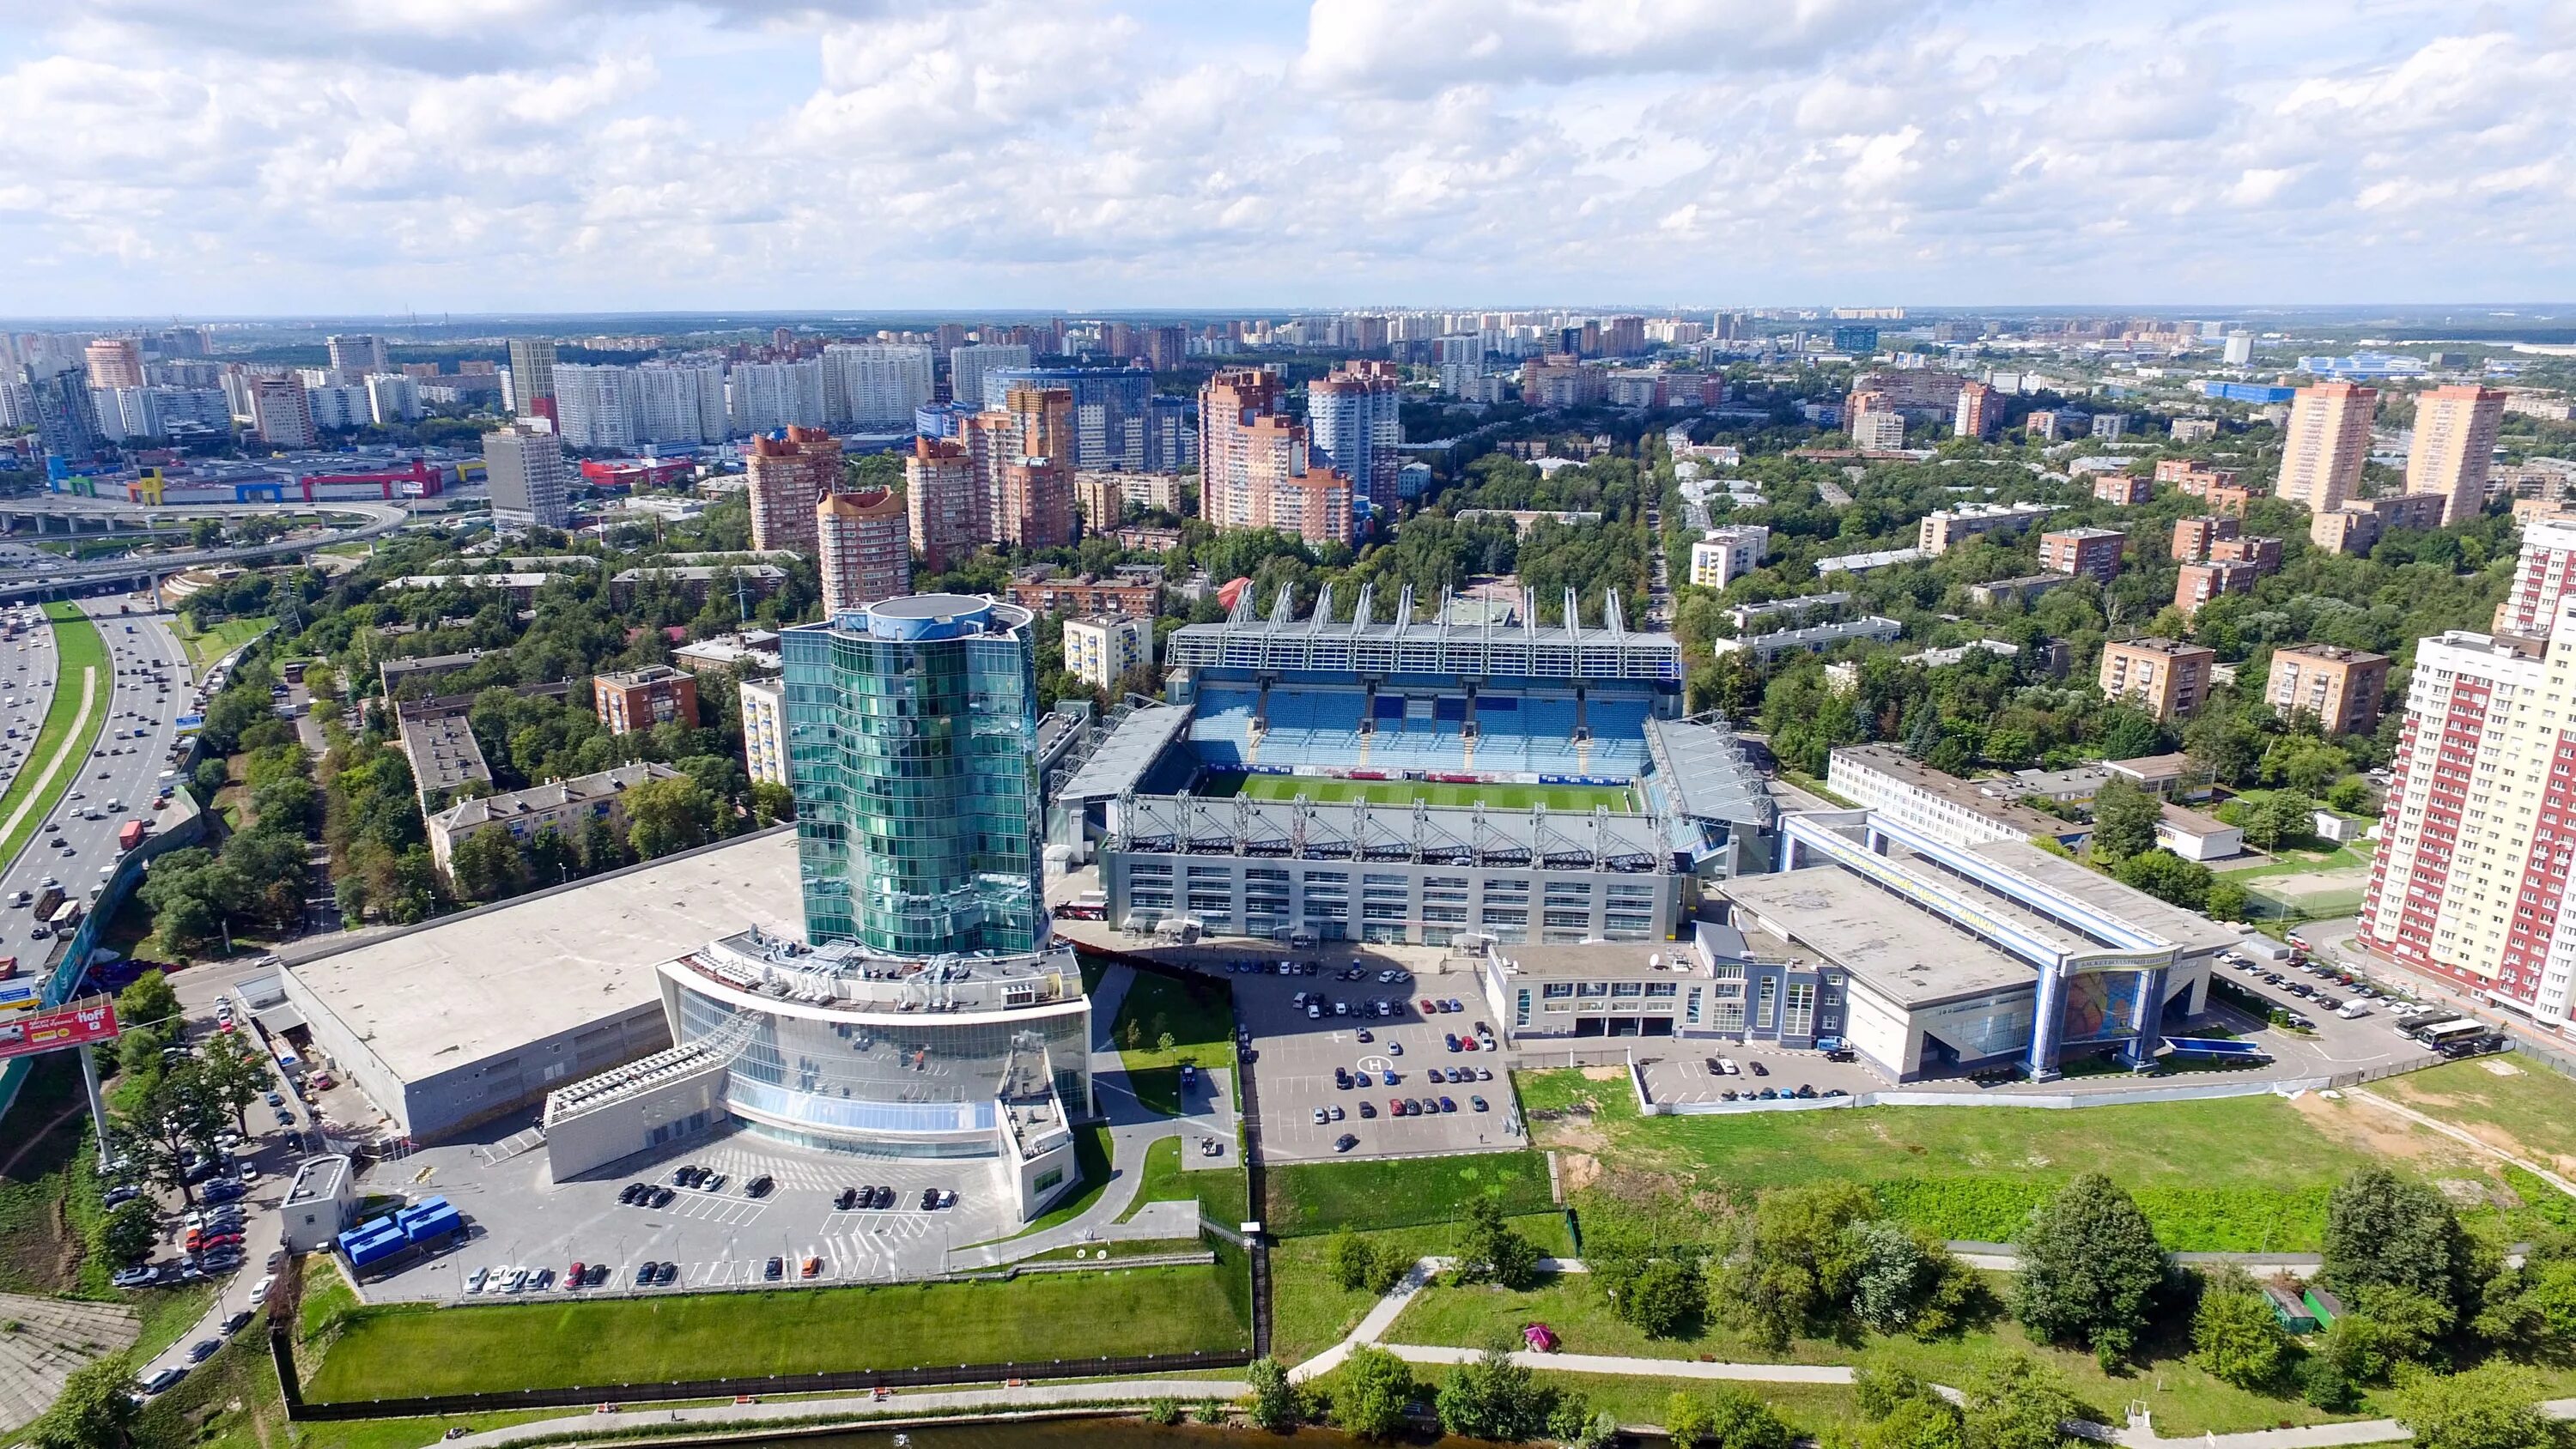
[2060, 1101]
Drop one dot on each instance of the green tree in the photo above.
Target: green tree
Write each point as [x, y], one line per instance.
[1928, 1422]
[1375, 1391]
[2234, 1334]
[772, 802]
[235, 1074]
[2168, 877]
[2090, 1263]
[1792, 1268]
[173, 1116]
[1490, 1252]
[2493, 1406]
[1276, 1404]
[1724, 1417]
[1493, 1398]
[2279, 816]
[2124, 820]
[668, 815]
[97, 1408]
[2227, 900]
[2531, 1309]
[487, 866]
[601, 849]
[1575, 1424]
[2017, 1402]
[2382, 1231]
[1353, 1261]
[129, 1232]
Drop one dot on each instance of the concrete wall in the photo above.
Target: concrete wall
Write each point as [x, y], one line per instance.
[683, 1106]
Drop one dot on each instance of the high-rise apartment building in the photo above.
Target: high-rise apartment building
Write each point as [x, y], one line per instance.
[789, 471]
[595, 407]
[969, 365]
[862, 548]
[951, 512]
[763, 397]
[2544, 574]
[1034, 505]
[1112, 409]
[876, 385]
[2327, 442]
[2477, 835]
[680, 402]
[524, 466]
[532, 377]
[2165, 677]
[1255, 470]
[355, 357]
[115, 362]
[2341, 687]
[2455, 438]
[1980, 409]
[281, 413]
[1876, 426]
[393, 398]
[2240, 349]
[1352, 420]
[2086, 553]
[59, 405]
[921, 831]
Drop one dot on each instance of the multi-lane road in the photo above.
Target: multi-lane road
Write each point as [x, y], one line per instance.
[380, 519]
[115, 757]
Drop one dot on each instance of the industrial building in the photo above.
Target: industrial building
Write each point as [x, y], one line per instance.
[455, 1022]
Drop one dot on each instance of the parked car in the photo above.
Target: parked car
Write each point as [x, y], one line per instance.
[1345, 1142]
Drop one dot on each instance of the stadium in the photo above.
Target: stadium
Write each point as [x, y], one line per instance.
[1489, 774]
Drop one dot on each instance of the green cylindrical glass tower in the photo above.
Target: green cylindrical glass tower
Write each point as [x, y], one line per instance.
[912, 751]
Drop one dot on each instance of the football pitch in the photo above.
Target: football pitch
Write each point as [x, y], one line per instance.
[1577, 798]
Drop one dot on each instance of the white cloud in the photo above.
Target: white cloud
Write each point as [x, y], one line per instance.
[483, 154]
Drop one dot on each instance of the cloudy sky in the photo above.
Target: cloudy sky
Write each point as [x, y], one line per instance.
[304, 156]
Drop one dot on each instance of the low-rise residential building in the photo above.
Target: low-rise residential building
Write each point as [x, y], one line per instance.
[1100, 648]
[2358, 523]
[753, 649]
[2193, 537]
[695, 582]
[1939, 531]
[1133, 595]
[2198, 583]
[2194, 430]
[1885, 779]
[643, 698]
[2343, 688]
[445, 757]
[2195, 836]
[764, 730]
[2025, 588]
[1728, 553]
[2166, 677]
[2253, 548]
[2124, 488]
[1814, 639]
[2091, 553]
[563, 806]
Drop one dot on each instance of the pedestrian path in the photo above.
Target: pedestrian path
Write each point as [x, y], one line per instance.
[1000, 1402]
[47, 1339]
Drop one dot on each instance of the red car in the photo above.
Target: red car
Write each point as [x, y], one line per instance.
[1430, 1007]
[1395, 1106]
[574, 1274]
[219, 1240]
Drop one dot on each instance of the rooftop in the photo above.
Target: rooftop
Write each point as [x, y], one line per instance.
[2190, 930]
[553, 794]
[1623, 959]
[455, 990]
[443, 752]
[1119, 762]
[846, 976]
[1909, 956]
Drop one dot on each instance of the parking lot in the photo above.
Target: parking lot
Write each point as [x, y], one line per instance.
[724, 1238]
[1297, 1054]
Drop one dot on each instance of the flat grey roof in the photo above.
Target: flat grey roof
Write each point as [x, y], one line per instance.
[1131, 749]
[1623, 959]
[1909, 956]
[1704, 767]
[459, 989]
[443, 751]
[2192, 931]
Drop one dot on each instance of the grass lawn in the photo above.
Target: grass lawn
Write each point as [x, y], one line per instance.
[2241, 1174]
[1577, 798]
[1324, 1197]
[2512, 1102]
[77, 648]
[1222, 1194]
[2292, 860]
[1196, 1012]
[407, 1351]
[1310, 1312]
[204, 649]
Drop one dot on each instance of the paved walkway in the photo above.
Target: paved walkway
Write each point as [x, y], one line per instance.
[719, 1417]
[48, 1339]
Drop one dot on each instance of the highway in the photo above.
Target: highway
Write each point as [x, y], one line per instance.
[106, 763]
[381, 519]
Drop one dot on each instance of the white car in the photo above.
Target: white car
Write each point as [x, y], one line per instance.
[1727, 1065]
[475, 1282]
[518, 1280]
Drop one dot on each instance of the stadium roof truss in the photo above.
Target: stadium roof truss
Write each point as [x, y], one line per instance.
[1420, 833]
[1361, 646]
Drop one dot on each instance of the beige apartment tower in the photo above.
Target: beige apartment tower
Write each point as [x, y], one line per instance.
[790, 471]
[2329, 440]
[862, 548]
[2165, 677]
[2455, 438]
[2341, 687]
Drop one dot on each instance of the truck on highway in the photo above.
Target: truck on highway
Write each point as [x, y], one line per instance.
[65, 916]
[46, 900]
[130, 834]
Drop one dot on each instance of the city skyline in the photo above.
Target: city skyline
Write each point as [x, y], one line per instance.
[581, 158]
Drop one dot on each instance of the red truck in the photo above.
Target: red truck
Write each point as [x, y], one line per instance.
[131, 835]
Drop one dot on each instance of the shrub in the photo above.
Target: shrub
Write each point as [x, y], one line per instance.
[1376, 1390]
[2234, 1334]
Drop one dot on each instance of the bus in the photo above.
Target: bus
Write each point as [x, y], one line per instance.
[2449, 1031]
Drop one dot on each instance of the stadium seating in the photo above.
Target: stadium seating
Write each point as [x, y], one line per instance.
[1420, 729]
[1221, 732]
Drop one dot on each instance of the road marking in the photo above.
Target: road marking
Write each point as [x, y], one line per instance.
[71, 745]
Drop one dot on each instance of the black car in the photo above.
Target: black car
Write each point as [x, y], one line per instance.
[929, 1198]
[1345, 1142]
[630, 1192]
[685, 1177]
[662, 1197]
[758, 1186]
[644, 1273]
[1757, 1069]
[1368, 1111]
[235, 1323]
[849, 1199]
[776, 1268]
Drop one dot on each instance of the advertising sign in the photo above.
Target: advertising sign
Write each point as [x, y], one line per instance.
[19, 996]
[79, 1024]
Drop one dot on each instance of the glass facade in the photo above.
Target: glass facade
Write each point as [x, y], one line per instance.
[912, 752]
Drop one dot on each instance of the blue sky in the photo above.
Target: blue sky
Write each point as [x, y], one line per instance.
[170, 156]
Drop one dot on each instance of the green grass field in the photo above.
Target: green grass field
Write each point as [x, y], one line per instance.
[398, 1352]
[204, 649]
[1326, 1197]
[1404, 792]
[2511, 1102]
[2238, 1174]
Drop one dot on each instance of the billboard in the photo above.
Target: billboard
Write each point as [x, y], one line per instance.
[79, 1024]
[21, 996]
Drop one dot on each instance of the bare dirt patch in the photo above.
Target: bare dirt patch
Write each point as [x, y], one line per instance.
[1577, 1170]
[1605, 1074]
[2377, 1132]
